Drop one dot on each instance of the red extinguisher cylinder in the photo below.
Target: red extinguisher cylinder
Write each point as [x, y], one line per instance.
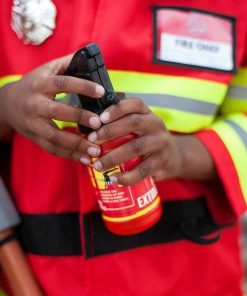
[126, 210]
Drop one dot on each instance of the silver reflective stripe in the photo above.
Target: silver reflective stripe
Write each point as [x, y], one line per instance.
[239, 130]
[69, 99]
[178, 103]
[238, 92]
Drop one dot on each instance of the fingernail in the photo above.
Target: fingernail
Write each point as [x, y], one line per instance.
[99, 90]
[85, 160]
[113, 179]
[97, 165]
[92, 137]
[105, 116]
[93, 151]
[94, 122]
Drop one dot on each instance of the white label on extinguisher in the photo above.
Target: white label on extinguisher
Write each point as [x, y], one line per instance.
[147, 198]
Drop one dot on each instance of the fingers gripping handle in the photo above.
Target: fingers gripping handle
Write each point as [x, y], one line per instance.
[87, 63]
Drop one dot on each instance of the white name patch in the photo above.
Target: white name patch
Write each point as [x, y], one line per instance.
[194, 38]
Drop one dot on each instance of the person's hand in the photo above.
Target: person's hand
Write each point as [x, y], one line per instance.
[164, 155]
[161, 156]
[28, 106]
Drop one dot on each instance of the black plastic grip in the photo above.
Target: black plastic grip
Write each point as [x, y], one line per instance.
[87, 63]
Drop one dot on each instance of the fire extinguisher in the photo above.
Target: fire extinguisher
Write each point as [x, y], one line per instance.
[126, 210]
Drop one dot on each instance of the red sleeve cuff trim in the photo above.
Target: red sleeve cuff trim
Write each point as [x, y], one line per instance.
[225, 168]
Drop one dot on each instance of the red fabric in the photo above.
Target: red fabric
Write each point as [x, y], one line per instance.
[226, 170]
[84, 22]
[163, 270]
[42, 183]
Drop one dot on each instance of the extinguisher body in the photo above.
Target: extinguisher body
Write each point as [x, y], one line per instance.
[125, 210]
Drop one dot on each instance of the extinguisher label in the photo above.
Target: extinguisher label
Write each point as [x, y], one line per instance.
[125, 202]
[103, 179]
[147, 198]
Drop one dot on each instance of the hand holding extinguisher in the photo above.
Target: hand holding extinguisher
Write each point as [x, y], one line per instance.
[125, 209]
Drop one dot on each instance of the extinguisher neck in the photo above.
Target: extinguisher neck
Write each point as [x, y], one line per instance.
[109, 145]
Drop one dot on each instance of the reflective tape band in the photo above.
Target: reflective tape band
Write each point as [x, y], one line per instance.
[178, 103]
[8, 79]
[239, 92]
[63, 124]
[185, 104]
[61, 96]
[183, 122]
[241, 78]
[234, 105]
[198, 114]
[177, 121]
[147, 83]
[233, 132]
[239, 130]
[236, 99]
[68, 99]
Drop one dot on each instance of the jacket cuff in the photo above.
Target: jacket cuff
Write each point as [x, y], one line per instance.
[226, 170]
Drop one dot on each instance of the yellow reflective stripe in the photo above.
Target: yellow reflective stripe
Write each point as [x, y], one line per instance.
[197, 91]
[176, 121]
[183, 122]
[136, 215]
[235, 143]
[193, 102]
[63, 124]
[234, 105]
[65, 99]
[8, 79]
[60, 96]
[241, 78]
[236, 98]
[139, 82]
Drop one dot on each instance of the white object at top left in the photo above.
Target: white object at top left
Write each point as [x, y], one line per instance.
[33, 20]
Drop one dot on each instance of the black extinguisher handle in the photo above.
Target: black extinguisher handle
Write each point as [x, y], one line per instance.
[87, 63]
